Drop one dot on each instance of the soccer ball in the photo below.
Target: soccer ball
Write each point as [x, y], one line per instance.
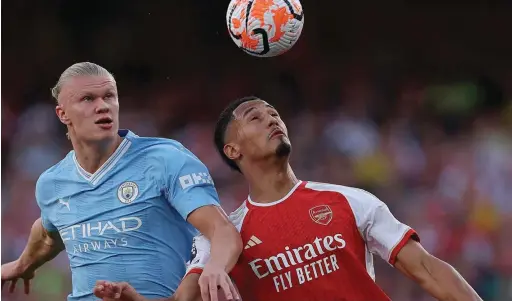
[265, 28]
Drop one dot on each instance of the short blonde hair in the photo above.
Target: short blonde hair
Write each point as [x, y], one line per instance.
[76, 70]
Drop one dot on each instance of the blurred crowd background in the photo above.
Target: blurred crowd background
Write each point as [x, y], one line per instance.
[412, 102]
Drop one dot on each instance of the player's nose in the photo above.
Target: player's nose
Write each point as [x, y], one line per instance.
[102, 106]
[271, 121]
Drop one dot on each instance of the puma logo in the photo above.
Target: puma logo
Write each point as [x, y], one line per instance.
[65, 203]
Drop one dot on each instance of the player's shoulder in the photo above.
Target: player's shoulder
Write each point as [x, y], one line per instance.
[47, 179]
[354, 195]
[237, 217]
[160, 147]
[156, 145]
[60, 169]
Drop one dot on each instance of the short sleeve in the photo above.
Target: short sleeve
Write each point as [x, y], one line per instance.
[43, 191]
[200, 255]
[47, 224]
[383, 233]
[189, 183]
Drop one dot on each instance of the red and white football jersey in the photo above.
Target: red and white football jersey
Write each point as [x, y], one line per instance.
[315, 244]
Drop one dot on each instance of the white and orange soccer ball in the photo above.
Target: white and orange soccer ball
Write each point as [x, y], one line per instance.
[265, 28]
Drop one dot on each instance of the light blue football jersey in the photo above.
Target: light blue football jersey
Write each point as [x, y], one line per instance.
[127, 221]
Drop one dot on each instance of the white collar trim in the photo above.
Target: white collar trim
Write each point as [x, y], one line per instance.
[107, 166]
[275, 202]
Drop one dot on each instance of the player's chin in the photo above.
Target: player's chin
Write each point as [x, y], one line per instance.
[284, 148]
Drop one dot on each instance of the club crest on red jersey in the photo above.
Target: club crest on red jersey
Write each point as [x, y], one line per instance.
[321, 214]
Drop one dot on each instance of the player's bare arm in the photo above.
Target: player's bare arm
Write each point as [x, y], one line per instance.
[226, 246]
[42, 246]
[437, 277]
[188, 290]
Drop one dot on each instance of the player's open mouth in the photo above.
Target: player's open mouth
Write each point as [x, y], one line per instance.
[105, 122]
[275, 133]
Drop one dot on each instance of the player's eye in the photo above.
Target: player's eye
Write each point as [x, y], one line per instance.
[87, 98]
[109, 95]
[255, 117]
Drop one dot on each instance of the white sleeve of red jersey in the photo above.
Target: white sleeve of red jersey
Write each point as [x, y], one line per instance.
[200, 255]
[201, 245]
[383, 233]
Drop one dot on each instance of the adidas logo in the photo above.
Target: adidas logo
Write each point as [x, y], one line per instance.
[252, 242]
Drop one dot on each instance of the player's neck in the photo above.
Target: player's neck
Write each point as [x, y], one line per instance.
[91, 156]
[270, 184]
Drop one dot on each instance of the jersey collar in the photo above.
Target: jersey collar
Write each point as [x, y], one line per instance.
[111, 161]
[275, 202]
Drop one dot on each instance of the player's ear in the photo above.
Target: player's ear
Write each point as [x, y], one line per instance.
[232, 151]
[62, 114]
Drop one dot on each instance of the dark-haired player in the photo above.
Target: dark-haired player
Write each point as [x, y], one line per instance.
[305, 240]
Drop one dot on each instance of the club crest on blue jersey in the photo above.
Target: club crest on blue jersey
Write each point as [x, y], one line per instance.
[127, 192]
